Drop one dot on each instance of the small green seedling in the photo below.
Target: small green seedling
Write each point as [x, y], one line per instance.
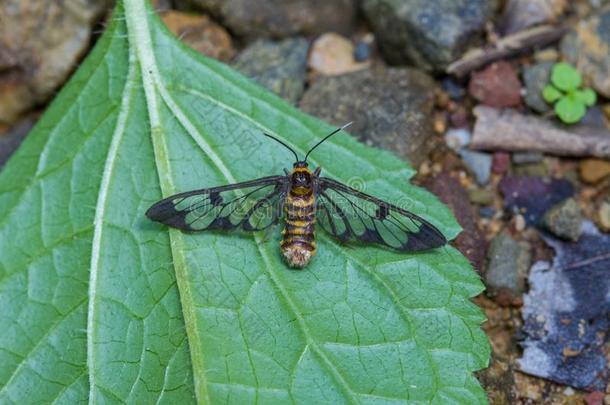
[570, 102]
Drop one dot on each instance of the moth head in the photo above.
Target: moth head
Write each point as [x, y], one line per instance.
[301, 176]
[300, 164]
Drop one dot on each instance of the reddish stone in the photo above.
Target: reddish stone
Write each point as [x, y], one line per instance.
[500, 162]
[595, 398]
[496, 86]
[471, 242]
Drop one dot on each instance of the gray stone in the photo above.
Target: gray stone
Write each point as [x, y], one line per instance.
[509, 262]
[427, 33]
[457, 138]
[279, 66]
[279, 18]
[587, 47]
[594, 118]
[536, 77]
[479, 163]
[564, 220]
[565, 314]
[521, 14]
[392, 108]
[524, 158]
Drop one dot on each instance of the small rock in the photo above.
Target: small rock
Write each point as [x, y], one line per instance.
[586, 47]
[200, 33]
[440, 122]
[455, 90]
[535, 78]
[333, 54]
[479, 163]
[564, 220]
[363, 49]
[429, 34]
[594, 118]
[457, 138]
[481, 196]
[519, 223]
[41, 42]
[533, 169]
[161, 6]
[392, 108]
[521, 14]
[594, 170]
[604, 215]
[279, 66]
[595, 398]
[459, 118]
[565, 312]
[533, 196]
[487, 212]
[496, 86]
[500, 162]
[509, 262]
[522, 158]
[546, 55]
[279, 18]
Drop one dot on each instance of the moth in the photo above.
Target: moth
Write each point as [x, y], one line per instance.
[303, 199]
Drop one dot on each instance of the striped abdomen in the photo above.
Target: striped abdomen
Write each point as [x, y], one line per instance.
[298, 240]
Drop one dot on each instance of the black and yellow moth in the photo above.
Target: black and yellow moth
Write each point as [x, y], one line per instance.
[303, 199]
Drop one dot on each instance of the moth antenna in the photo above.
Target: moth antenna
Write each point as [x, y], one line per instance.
[296, 157]
[328, 136]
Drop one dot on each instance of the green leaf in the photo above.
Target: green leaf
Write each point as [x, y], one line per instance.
[587, 96]
[551, 94]
[565, 77]
[570, 109]
[100, 304]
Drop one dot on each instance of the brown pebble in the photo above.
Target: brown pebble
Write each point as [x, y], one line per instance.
[333, 54]
[200, 33]
[594, 170]
[440, 123]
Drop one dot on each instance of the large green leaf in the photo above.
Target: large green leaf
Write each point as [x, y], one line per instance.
[98, 303]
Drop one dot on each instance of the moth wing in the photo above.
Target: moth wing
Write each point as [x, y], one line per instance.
[349, 214]
[252, 206]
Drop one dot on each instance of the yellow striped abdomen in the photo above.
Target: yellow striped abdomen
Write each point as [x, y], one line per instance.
[298, 237]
